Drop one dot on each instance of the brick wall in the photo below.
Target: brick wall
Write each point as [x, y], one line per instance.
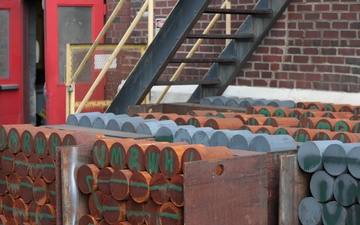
[314, 45]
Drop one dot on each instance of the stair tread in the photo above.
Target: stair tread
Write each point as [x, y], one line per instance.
[222, 36]
[196, 82]
[240, 11]
[203, 60]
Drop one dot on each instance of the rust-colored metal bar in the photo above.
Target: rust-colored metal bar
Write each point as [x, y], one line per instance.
[55, 140]
[151, 210]
[266, 130]
[40, 192]
[224, 123]
[264, 110]
[286, 130]
[200, 112]
[8, 205]
[20, 211]
[101, 152]
[244, 117]
[140, 186]
[338, 115]
[170, 160]
[51, 187]
[14, 185]
[48, 169]
[96, 202]
[34, 210]
[118, 153]
[256, 121]
[153, 115]
[169, 116]
[183, 119]
[7, 161]
[47, 215]
[198, 121]
[176, 190]
[87, 178]
[205, 153]
[282, 112]
[170, 214]
[114, 210]
[104, 180]
[135, 158]
[282, 122]
[21, 164]
[88, 219]
[27, 141]
[159, 188]
[119, 184]
[26, 186]
[347, 137]
[4, 133]
[322, 135]
[35, 167]
[135, 212]
[309, 122]
[81, 138]
[304, 134]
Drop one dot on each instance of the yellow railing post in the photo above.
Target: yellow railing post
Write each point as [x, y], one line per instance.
[191, 53]
[113, 55]
[228, 21]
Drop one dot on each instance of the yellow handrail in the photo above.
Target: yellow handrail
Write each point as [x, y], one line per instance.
[192, 52]
[113, 56]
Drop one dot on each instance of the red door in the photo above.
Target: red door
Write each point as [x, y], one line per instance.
[11, 87]
[66, 21]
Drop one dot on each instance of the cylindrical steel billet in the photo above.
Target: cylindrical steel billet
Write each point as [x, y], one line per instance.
[335, 107]
[202, 137]
[356, 127]
[266, 130]
[87, 219]
[353, 215]
[220, 101]
[87, 178]
[200, 113]
[298, 113]
[256, 121]
[52, 193]
[135, 159]
[100, 153]
[224, 123]
[7, 161]
[310, 211]
[338, 115]
[55, 140]
[198, 121]
[74, 119]
[345, 189]
[185, 135]
[35, 167]
[309, 122]
[96, 205]
[114, 210]
[170, 160]
[272, 143]
[353, 161]
[4, 134]
[334, 158]
[245, 117]
[227, 115]
[200, 152]
[310, 154]
[135, 212]
[80, 138]
[104, 180]
[27, 140]
[41, 140]
[313, 113]
[246, 103]
[182, 119]
[322, 186]
[169, 116]
[48, 172]
[170, 214]
[333, 214]
[3, 183]
[151, 211]
[327, 124]
[282, 122]
[152, 115]
[355, 117]
[233, 101]
[316, 105]
[122, 223]
[140, 186]
[286, 130]
[152, 127]
[47, 215]
[166, 133]
[241, 141]
[282, 103]
[101, 121]
[40, 192]
[118, 153]
[323, 135]
[158, 188]
[264, 110]
[21, 164]
[87, 119]
[14, 137]
[282, 112]
[222, 137]
[304, 134]
[119, 184]
[117, 123]
[14, 185]
[176, 190]
[34, 210]
[20, 210]
[26, 187]
[7, 205]
[3, 219]
[131, 125]
[345, 125]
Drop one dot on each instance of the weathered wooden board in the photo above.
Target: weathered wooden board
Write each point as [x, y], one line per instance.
[71, 203]
[237, 196]
[294, 186]
[179, 108]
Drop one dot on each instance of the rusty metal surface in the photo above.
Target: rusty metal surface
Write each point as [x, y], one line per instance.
[71, 203]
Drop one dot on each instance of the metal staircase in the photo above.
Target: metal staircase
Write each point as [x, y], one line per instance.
[176, 29]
